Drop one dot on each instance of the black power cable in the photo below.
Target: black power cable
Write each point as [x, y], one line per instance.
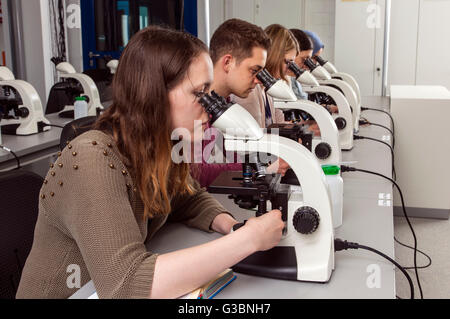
[357, 137]
[366, 122]
[340, 244]
[352, 169]
[13, 154]
[419, 251]
[385, 127]
[377, 110]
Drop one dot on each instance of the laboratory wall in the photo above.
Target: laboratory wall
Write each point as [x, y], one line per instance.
[353, 33]
[419, 44]
[314, 15]
[35, 40]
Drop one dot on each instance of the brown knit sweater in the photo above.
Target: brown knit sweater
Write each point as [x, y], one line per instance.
[91, 216]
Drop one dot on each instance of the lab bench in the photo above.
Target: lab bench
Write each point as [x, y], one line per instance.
[367, 220]
[34, 151]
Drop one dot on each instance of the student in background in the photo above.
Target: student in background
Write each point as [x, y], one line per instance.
[238, 51]
[113, 187]
[318, 45]
[305, 52]
[283, 47]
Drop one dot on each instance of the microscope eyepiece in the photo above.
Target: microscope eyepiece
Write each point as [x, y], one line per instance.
[266, 79]
[214, 104]
[321, 61]
[310, 64]
[295, 68]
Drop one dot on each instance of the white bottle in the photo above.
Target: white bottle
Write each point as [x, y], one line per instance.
[336, 186]
[80, 107]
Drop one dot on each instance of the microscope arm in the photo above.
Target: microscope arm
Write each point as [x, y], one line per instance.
[314, 251]
[31, 100]
[89, 88]
[350, 80]
[344, 112]
[350, 95]
[328, 129]
[330, 68]
[6, 74]
[113, 65]
[335, 74]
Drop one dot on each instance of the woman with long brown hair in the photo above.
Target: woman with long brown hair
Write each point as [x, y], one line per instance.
[113, 187]
[285, 48]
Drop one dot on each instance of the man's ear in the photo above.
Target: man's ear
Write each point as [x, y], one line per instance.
[227, 62]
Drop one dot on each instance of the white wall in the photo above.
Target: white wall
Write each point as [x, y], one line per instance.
[359, 39]
[419, 43]
[35, 41]
[433, 63]
[319, 16]
[2, 43]
[216, 17]
[403, 42]
[314, 15]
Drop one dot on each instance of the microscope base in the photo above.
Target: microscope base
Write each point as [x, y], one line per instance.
[346, 149]
[276, 263]
[11, 129]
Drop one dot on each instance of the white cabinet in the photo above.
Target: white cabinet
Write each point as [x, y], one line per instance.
[422, 150]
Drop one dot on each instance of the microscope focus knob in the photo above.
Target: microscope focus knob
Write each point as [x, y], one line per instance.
[341, 123]
[23, 112]
[322, 150]
[306, 220]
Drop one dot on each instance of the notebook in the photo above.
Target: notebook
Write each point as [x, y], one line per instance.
[213, 287]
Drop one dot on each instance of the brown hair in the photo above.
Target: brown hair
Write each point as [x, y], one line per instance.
[303, 40]
[154, 62]
[282, 42]
[238, 38]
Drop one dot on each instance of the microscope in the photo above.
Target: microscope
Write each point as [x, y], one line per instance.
[306, 251]
[326, 148]
[113, 65]
[327, 65]
[324, 78]
[78, 84]
[21, 111]
[330, 96]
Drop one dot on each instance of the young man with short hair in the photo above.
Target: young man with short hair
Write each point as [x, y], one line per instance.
[238, 50]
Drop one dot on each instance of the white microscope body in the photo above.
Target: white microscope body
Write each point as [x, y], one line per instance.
[33, 115]
[326, 148]
[314, 252]
[113, 65]
[90, 90]
[325, 79]
[344, 118]
[335, 74]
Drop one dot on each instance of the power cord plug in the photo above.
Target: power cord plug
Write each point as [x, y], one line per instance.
[340, 244]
